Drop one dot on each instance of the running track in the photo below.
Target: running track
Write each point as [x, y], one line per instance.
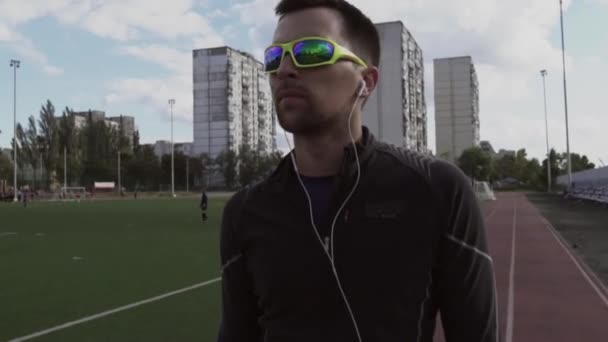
[554, 296]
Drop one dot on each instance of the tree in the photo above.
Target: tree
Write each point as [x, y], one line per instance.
[580, 163]
[22, 146]
[179, 169]
[6, 168]
[136, 145]
[49, 132]
[506, 167]
[69, 142]
[226, 163]
[195, 171]
[521, 162]
[123, 142]
[248, 161]
[143, 169]
[553, 156]
[100, 154]
[475, 163]
[532, 173]
[33, 152]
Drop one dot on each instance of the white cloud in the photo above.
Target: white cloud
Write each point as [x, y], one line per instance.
[207, 40]
[6, 34]
[128, 19]
[175, 60]
[15, 12]
[131, 19]
[153, 94]
[27, 52]
[52, 70]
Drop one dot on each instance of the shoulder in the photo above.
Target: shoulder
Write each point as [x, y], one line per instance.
[443, 177]
[237, 202]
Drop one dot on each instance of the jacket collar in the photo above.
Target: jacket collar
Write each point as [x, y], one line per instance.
[284, 174]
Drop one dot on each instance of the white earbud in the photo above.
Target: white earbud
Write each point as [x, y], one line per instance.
[363, 90]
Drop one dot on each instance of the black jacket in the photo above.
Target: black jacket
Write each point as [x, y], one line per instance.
[410, 242]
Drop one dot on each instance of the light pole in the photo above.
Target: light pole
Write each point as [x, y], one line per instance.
[561, 17]
[118, 172]
[15, 64]
[65, 169]
[188, 173]
[543, 73]
[171, 103]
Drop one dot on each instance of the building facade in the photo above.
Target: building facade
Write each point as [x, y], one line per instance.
[128, 126]
[456, 106]
[128, 122]
[163, 147]
[396, 111]
[232, 103]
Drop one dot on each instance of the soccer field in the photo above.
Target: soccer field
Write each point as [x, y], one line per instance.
[64, 262]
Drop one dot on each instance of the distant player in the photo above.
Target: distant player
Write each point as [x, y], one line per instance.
[24, 198]
[203, 205]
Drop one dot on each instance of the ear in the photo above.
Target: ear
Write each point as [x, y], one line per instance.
[371, 76]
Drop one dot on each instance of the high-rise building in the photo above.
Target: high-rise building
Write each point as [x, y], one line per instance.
[456, 106]
[163, 147]
[232, 103]
[128, 122]
[396, 111]
[128, 126]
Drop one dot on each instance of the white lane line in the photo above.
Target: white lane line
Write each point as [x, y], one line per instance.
[113, 311]
[491, 213]
[509, 331]
[578, 265]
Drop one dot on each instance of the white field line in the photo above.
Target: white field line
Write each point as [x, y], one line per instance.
[113, 311]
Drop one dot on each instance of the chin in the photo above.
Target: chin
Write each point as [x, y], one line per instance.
[301, 123]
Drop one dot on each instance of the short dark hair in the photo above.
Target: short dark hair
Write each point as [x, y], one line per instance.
[359, 29]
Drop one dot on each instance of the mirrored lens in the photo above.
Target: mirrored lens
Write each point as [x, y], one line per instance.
[313, 51]
[272, 58]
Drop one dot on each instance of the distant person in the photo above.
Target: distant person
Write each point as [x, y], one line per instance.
[349, 239]
[24, 198]
[203, 205]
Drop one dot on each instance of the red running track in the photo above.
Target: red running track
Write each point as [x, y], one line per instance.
[545, 292]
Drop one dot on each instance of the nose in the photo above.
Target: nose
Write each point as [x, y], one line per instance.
[287, 69]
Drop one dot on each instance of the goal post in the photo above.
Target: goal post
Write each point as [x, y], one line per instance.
[70, 194]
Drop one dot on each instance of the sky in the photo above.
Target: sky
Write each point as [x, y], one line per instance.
[130, 56]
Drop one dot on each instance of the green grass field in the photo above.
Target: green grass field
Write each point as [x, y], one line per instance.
[68, 261]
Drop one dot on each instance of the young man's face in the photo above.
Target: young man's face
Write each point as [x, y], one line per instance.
[322, 96]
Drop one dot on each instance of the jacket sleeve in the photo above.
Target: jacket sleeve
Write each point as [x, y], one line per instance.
[239, 320]
[465, 283]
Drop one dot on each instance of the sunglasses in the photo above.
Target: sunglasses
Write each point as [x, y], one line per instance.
[308, 52]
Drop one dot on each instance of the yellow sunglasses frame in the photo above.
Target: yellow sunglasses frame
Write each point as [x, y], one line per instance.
[340, 52]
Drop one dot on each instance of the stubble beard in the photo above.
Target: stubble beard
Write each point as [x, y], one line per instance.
[310, 121]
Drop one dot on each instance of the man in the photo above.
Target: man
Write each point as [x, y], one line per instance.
[203, 206]
[343, 243]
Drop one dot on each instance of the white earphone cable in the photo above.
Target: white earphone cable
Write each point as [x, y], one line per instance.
[331, 247]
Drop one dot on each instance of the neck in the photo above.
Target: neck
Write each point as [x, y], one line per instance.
[321, 155]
